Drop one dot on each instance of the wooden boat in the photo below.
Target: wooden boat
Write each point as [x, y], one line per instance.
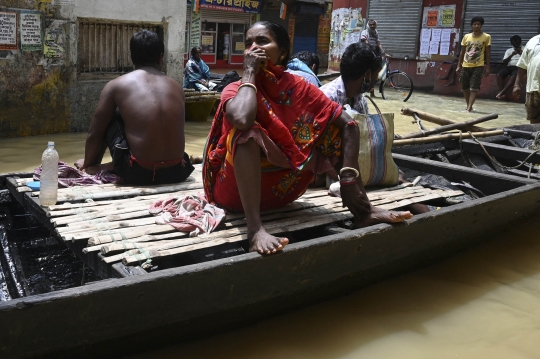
[503, 152]
[221, 287]
[199, 105]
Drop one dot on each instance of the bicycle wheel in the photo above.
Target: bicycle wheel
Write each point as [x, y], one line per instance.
[397, 86]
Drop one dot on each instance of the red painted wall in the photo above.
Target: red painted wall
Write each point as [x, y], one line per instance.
[427, 80]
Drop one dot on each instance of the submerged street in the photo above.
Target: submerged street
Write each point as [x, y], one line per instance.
[483, 303]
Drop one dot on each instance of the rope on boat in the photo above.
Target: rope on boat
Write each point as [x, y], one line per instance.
[535, 144]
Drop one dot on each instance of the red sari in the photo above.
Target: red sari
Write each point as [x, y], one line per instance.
[294, 130]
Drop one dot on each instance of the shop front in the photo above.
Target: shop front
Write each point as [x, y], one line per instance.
[219, 28]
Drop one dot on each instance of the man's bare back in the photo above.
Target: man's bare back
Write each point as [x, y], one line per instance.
[146, 135]
[152, 107]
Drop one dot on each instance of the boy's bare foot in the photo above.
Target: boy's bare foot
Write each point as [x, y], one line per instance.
[265, 243]
[500, 96]
[379, 215]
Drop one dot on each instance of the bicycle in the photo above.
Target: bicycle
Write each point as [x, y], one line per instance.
[394, 85]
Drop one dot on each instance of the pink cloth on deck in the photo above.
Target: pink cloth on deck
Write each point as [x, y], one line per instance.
[69, 176]
[191, 214]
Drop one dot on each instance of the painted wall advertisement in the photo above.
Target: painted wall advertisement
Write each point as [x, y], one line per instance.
[8, 31]
[31, 32]
[347, 24]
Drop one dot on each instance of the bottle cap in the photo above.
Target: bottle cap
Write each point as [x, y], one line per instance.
[51, 143]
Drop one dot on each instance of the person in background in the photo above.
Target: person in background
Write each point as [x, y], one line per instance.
[272, 132]
[474, 61]
[197, 73]
[371, 36]
[305, 64]
[529, 65]
[358, 63]
[140, 118]
[510, 60]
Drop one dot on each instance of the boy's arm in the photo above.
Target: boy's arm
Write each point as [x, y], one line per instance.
[487, 57]
[461, 58]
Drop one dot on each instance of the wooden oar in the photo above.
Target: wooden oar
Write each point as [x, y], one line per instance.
[437, 119]
[449, 136]
[454, 126]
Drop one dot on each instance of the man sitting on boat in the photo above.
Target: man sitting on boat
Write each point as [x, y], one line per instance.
[272, 132]
[140, 118]
[197, 73]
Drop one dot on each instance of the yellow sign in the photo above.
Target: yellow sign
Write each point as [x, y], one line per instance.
[448, 17]
[207, 40]
[239, 46]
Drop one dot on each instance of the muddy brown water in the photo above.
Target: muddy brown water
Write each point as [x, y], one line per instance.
[482, 303]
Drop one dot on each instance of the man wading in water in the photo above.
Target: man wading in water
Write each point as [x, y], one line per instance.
[140, 117]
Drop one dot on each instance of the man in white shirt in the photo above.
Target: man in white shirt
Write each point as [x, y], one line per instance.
[510, 60]
[529, 65]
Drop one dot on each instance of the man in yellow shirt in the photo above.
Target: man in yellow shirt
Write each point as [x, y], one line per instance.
[474, 61]
[529, 65]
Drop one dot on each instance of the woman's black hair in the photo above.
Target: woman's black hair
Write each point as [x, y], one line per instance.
[146, 47]
[194, 50]
[358, 58]
[479, 19]
[280, 34]
[309, 58]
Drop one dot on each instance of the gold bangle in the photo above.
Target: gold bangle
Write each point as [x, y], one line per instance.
[249, 84]
[349, 169]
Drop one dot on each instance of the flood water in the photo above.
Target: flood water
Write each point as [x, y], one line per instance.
[482, 303]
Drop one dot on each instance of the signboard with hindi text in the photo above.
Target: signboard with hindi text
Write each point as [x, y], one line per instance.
[248, 6]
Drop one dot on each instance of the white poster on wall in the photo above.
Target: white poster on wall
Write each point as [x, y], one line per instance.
[424, 48]
[445, 47]
[445, 34]
[434, 47]
[435, 34]
[426, 35]
[8, 31]
[31, 32]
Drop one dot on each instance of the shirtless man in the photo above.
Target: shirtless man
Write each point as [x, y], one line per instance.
[140, 117]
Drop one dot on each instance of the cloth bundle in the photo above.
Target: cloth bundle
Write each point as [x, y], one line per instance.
[69, 176]
[190, 213]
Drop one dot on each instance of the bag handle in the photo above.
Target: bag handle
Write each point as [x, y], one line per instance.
[375, 105]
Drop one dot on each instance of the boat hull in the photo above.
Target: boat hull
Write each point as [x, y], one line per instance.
[116, 316]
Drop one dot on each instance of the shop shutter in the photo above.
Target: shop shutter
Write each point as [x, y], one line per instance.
[305, 33]
[225, 16]
[502, 20]
[398, 24]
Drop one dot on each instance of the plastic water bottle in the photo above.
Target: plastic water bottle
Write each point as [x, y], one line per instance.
[48, 191]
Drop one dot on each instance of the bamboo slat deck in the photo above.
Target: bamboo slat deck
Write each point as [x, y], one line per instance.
[114, 220]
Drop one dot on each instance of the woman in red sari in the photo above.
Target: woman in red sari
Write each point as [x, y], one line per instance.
[272, 133]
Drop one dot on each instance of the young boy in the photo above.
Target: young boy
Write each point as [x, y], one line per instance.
[474, 61]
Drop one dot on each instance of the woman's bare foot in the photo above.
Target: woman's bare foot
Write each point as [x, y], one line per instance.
[265, 243]
[379, 215]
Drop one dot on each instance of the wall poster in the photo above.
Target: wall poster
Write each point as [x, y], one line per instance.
[345, 29]
[8, 31]
[31, 39]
